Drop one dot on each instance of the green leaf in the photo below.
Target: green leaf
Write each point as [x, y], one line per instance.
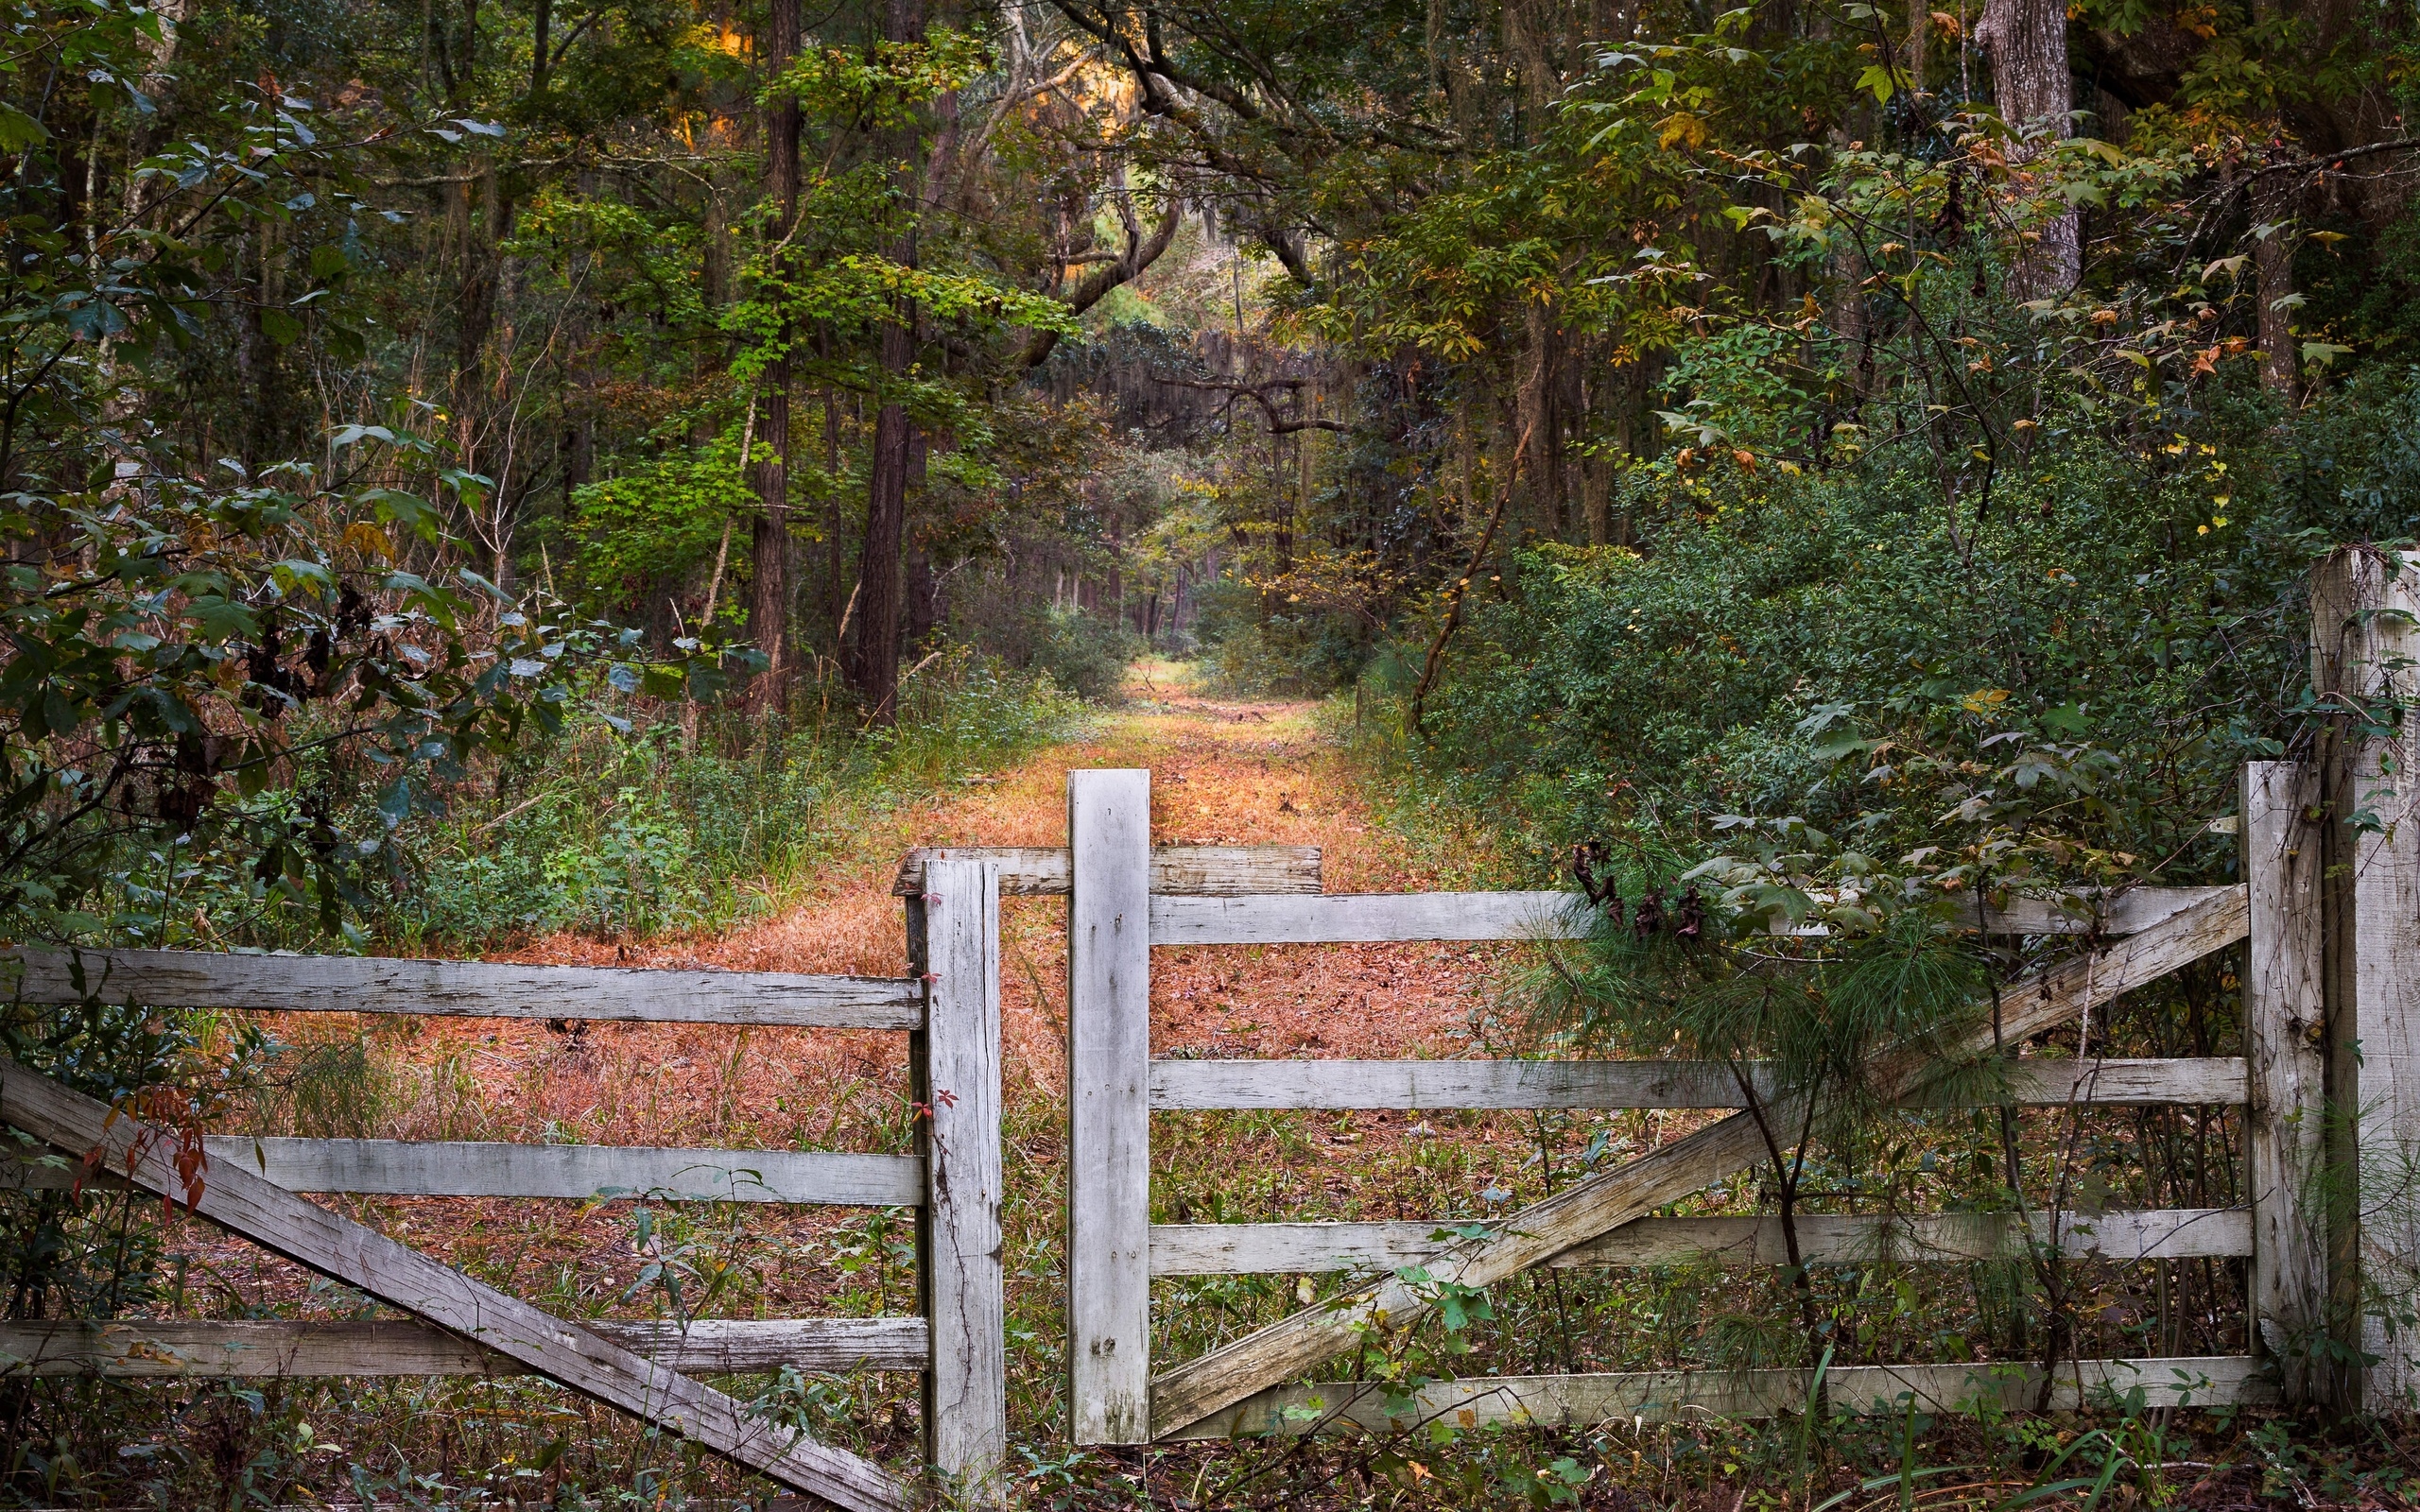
[19, 130]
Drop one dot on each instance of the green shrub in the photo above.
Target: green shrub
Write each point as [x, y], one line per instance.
[1084, 654]
[1840, 648]
[1250, 653]
[638, 831]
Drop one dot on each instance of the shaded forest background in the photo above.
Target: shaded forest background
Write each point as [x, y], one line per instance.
[1411, 345]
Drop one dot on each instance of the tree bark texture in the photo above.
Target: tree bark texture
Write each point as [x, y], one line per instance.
[769, 602]
[2272, 261]
[2027, 43]
[1533, 403]
[876, 662]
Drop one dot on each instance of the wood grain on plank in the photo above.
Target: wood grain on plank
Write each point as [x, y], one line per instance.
[704, 1347]
[371, 984]
[2129, 912]
[1668, 1396]
[1109, 1117]
[2364, 639]
[413, 1168]
[280, 1221]
[966, 1391]
[1258, 1248]
[1334, 919]
[2285, 1046]
[1180, 1085]
[1201, 870]
[1371, 918]
[1290, 1347]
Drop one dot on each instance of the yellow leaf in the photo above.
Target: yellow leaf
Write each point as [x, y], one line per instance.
[1679, 128]
[369, 540]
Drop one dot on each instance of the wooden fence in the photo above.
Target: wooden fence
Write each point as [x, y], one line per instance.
[949, 1007]
[1117, 913]
[2328, 908]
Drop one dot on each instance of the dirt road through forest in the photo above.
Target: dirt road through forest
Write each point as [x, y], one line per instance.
[1223, 772]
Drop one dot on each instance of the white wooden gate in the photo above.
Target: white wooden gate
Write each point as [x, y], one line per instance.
[1117, 916]
[949, 1007]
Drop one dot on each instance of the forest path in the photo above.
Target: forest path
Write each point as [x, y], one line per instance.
[1224, 772]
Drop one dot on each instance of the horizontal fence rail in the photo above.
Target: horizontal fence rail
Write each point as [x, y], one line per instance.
[1261, 1249]
[1342, 919]
[370, 984]
[1179, 1085]
[281, 1348]
[412, 1168]
[1201, 871]
[1666, 1396]
[1348, 919]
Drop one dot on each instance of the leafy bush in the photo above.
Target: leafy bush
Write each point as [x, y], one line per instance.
[1084, 654]
[635, 831]
[1252, 653]
[1839, 649]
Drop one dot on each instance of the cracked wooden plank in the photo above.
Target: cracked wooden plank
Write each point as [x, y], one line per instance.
[967, 1392]
[1198, 871]
[1183, 1085]
[478, 990]
[1271, 1248]
[293, 1347]
[1683, 1396]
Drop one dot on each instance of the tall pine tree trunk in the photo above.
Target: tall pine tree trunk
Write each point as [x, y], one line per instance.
[878, 566]
[2027, 41]
[768, 602]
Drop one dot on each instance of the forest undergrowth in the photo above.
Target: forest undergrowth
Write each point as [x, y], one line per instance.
[1224, 772]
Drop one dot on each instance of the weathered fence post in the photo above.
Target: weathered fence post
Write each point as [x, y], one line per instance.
[2284, 1028]
[2362, 645]
[1109, 1126]
[966, 1411]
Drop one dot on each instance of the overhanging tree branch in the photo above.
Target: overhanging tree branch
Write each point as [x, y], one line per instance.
[1139, 254]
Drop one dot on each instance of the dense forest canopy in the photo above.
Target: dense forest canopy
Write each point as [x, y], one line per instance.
[1623, 388]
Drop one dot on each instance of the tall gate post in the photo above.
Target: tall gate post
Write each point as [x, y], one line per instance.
[2284, 1030]
[1109, 1119]
[953, 940]
[2363, 641]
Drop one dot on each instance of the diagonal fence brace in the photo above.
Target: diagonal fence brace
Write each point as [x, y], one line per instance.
[1290, 1347]
[276, 1219]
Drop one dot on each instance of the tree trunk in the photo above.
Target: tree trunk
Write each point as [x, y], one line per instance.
[769, 602]
[924, 583]
[2273, 259]
[1532, 419]
[878, 567]
[835, 604]
[2026, 41]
